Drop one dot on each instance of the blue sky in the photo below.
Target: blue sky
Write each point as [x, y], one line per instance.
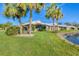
[70, 11]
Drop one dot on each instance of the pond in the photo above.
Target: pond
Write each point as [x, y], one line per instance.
[74, 38]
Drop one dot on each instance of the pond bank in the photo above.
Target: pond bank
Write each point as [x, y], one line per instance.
[62, 34]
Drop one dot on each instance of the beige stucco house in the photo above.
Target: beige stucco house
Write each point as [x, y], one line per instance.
[38, 25]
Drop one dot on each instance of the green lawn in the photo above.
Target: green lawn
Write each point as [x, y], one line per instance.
[43, 44]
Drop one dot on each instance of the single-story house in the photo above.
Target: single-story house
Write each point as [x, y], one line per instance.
[38, 26]
[60, 27]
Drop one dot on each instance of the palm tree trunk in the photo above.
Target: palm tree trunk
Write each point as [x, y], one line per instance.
[57, 24]
[30, 25]
[20, 26]
[53, 25]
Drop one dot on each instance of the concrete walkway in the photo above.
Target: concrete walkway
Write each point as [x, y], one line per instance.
[25, 35]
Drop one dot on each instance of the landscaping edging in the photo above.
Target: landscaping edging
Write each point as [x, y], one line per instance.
[61, 35]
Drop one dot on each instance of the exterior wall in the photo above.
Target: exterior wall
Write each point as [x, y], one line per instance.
[71, 28]
[59, 28]
[76, 28]
[67, 28]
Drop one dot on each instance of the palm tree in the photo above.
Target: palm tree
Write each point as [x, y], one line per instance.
[37, 7]
[15, 11]
[19, 10]
[50, 13]
[58, 15]
[55, 13]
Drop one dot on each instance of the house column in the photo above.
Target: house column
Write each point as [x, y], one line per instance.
[50, 28]
[59, 28]
[68, 28]
[76, 28]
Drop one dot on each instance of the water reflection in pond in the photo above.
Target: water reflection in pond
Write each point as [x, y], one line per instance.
[73, 38]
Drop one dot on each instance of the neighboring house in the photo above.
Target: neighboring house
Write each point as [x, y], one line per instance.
[60, 27]
[67, 27]
[38, 26]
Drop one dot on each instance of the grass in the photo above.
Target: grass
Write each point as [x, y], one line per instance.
[42, 44]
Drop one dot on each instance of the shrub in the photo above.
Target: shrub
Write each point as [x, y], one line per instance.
[13, 30]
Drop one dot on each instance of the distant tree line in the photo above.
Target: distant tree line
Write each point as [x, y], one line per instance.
[72, 24]
[5, 25]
